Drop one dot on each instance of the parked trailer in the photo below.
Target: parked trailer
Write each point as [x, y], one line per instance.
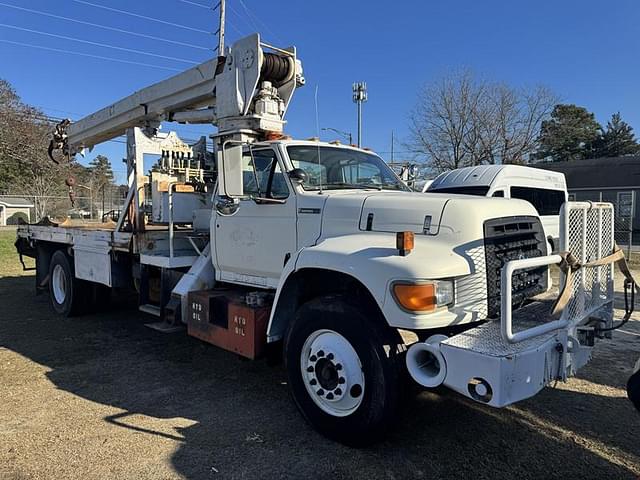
[320, 250]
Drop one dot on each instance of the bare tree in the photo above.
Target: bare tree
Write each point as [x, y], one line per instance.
[442, 124]
[462, 120]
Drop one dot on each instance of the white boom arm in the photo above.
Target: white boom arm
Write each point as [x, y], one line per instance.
[247, 88]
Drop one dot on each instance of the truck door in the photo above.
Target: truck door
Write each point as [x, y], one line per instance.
[253, 244]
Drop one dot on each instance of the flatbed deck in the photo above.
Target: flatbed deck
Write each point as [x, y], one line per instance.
[99, 234]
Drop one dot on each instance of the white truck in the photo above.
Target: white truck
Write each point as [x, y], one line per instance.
[319, 250]
[545, 190]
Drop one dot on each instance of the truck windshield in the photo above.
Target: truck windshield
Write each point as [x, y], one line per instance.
[335, 168]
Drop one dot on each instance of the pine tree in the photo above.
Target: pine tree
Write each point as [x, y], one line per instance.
[571, 133]
[618, 139]
[101, 178]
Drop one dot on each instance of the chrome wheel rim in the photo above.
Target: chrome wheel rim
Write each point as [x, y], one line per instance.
[332, 373]
[59, 284]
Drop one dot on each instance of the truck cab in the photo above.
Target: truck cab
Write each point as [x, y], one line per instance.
[286, 184]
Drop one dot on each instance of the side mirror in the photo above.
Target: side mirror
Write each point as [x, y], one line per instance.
[230, 180]
[298, 176]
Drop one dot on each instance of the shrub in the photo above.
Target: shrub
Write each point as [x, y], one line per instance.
[17, 218]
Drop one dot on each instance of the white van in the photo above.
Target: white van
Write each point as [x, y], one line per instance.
[544, 189]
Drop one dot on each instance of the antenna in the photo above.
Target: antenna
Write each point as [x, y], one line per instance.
[392, 146]
[318, 140]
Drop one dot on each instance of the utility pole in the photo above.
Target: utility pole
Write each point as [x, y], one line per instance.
[359, 97]
[391, 146]
[221, 29]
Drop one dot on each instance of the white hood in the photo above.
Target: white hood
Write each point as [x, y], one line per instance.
[349, 212]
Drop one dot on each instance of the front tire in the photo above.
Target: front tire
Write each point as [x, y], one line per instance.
[343, 379]
[67, 293]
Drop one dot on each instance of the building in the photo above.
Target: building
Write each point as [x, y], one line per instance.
[615, 180]
[12, 207]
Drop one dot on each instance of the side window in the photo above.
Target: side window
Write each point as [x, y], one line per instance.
[547, 202]
[262, 176]
[498, 193]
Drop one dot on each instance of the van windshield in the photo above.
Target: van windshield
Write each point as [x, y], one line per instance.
[473, 190]
[334, 168]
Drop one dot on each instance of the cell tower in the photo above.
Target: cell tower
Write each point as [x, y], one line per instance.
[359, 97]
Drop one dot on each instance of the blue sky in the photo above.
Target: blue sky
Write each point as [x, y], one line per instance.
[586, 51]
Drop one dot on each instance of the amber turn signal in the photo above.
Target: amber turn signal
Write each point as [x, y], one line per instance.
[416, 298]
[404, 242]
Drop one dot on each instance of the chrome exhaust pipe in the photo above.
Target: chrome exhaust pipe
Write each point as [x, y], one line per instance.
[425, 362]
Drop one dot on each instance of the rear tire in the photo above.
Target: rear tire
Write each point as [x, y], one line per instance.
[66, 292]
[342, 379]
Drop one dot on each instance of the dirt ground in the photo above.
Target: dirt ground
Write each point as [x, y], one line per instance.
[102, 396]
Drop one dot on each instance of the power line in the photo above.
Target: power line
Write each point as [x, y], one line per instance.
[255, 19]
[245, 18]
[100, 57]
[42, 107]
[196, 4]
[125, 12]
[105, 27]
[105, 45]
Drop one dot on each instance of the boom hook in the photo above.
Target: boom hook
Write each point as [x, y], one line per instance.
[59, 140]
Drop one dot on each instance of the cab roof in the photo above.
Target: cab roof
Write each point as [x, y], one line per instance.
[313, 143]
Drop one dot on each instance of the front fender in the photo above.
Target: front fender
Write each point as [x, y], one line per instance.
[372, 259]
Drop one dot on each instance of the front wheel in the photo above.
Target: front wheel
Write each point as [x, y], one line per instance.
[343, 379]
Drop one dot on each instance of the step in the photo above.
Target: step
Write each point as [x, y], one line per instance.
[165, 327]
[150, 309]
[487, 340]
[180, 259]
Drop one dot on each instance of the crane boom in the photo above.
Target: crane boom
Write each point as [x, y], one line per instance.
[247, 88]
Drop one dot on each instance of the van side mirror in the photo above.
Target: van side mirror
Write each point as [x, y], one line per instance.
[298, 176]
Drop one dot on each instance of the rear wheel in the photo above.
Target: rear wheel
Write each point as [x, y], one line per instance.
[66, 292]
[343, 380]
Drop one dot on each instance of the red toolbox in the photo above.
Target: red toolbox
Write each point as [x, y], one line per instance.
[222, 318]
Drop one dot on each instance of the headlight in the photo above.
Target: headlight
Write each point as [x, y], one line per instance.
[444, 292]
[423, 297]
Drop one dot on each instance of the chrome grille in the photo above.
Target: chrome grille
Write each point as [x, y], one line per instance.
[513, 238]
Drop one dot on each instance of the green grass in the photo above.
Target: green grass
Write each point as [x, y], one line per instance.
[9, 261]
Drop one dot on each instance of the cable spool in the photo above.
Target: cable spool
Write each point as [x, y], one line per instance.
[277, 69]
